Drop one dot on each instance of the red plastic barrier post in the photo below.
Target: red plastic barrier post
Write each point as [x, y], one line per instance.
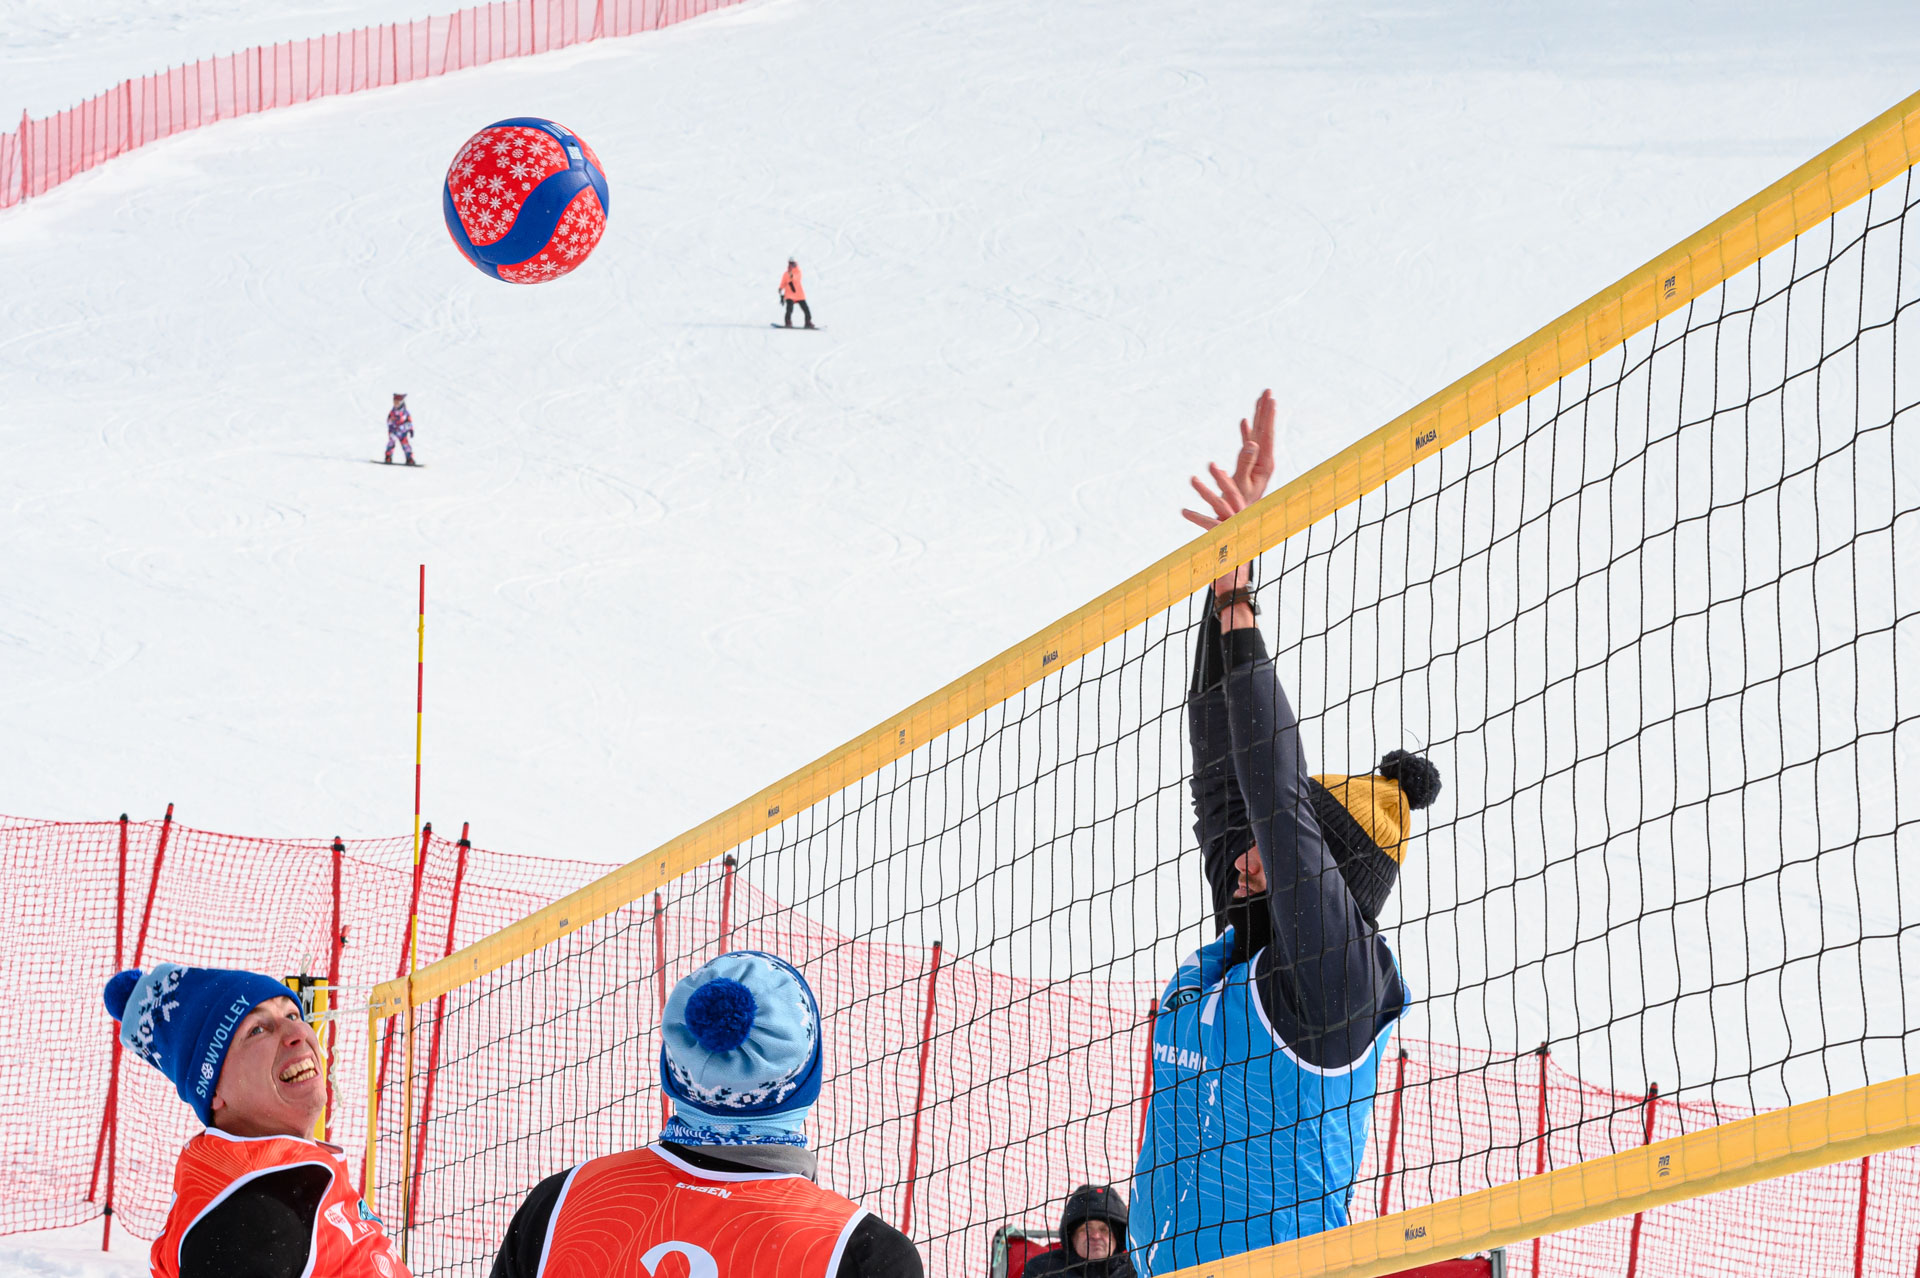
[110, 1113]
[335, 946]
[1393, 1129]
[1540, 1150]
[406, 940]
[727, 865]
[439, 1022]
[110, 1121]
[660, 975]
[1146, 1079]
[920, 1093]
[1860, 1231]
[119, 954]
[1633, 1238]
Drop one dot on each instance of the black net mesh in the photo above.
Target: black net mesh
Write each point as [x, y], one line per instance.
[1650, 625]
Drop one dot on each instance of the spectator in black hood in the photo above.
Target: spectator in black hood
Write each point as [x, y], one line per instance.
[1093, 1238]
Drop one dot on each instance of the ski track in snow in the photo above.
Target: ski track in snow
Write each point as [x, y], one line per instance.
[674, 554]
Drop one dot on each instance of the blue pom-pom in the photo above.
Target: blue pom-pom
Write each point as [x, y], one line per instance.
[119, 990]
[720, 1014]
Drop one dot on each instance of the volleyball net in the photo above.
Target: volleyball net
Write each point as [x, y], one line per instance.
[1635, 586]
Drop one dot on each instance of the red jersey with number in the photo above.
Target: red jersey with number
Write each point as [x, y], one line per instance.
[624, 1216]
[238, 1190]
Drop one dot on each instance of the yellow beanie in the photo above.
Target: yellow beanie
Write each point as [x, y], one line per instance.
[1380, 806]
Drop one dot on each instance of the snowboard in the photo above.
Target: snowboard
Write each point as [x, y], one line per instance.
[419, 465]
[817, 328]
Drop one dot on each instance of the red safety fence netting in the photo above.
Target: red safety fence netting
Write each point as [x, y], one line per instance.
[41, 154]
[1030, 1088]
[82, 903]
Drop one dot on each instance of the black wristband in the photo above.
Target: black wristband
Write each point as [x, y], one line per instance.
[1238, 595]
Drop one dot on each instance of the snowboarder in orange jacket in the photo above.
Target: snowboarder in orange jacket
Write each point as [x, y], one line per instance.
[793, 295]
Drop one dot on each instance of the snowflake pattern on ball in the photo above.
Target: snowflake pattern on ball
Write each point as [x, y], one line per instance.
[489, 182]
[579, 230]
[493, 174]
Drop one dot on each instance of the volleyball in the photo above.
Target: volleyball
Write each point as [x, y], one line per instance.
[525, 200]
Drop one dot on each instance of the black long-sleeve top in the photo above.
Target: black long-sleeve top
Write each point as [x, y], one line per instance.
[1326, 978]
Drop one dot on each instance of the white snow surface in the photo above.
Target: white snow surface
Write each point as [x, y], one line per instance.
[72, 1253]
[56, 54]
[672, 553]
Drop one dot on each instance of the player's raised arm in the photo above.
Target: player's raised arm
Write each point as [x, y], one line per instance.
[1220, 815]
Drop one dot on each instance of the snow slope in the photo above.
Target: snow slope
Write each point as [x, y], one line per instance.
[72, 1253]
[56, 54]
[674, 553]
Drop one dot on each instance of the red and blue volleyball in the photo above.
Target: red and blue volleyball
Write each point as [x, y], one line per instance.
[525, 200]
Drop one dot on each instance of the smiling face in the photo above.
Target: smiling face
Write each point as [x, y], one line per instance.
[271, 1084]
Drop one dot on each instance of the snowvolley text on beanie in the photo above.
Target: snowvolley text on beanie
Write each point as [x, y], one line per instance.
[181, 1021]
[740, 1053]
[1368, 819]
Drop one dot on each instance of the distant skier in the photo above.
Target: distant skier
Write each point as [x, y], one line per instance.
[793, 295]
[399, 429]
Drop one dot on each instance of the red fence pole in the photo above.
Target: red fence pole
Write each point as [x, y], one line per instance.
[920, 1093]
[1633, 1238]
[727, 865]
[110, 1120]
[1393, 1128]
[119, 956]
[109, 1115]
[335, 945]
[1540, 1150]
[406, 941]
[1860, 1233]
[439, 1020]
[1146, 1079]
[660, 974]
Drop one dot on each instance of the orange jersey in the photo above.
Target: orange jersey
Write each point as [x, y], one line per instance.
[622, 1216]
[790, 285]
[278, 1196]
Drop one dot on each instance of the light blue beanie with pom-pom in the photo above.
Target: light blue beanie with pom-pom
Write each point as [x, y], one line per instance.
[740, 1053]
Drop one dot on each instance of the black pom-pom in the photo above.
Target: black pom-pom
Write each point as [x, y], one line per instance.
[118, 991]
[1418, 777]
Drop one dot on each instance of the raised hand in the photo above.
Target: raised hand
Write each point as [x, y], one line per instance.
[1252, 470]
[1233, 493]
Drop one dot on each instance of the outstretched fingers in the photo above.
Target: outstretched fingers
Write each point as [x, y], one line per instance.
[1232, 491]
[1262, 436]
[1216, 501]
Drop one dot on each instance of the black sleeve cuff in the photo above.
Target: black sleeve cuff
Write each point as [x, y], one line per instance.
[878, 1250]
[1245, 647]
[519, 1255]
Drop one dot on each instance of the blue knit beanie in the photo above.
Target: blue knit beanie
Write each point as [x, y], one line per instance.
[740, 1053]
[180, 1020]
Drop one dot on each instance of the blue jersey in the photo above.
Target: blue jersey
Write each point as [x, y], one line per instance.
[1247, 1144]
